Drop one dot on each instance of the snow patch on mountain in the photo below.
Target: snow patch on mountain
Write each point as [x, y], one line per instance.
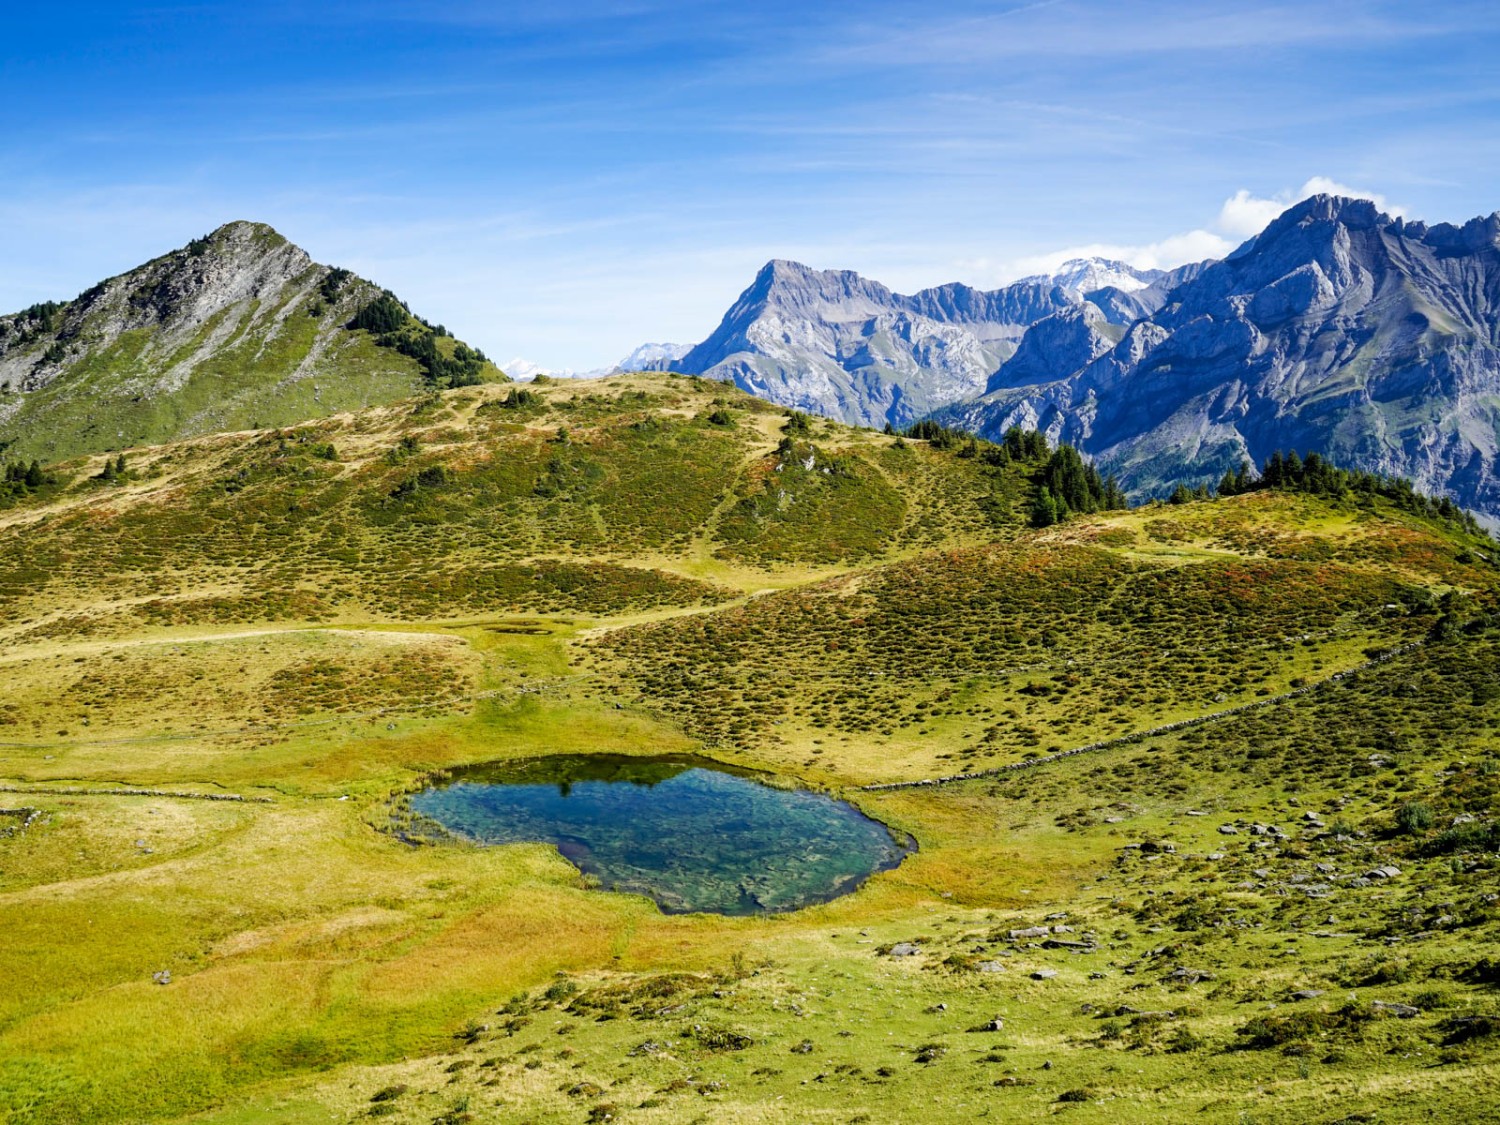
[1086, 275]
[653, 357]
[524, 371]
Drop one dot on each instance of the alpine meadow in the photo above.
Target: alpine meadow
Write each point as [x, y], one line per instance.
[1072, 693]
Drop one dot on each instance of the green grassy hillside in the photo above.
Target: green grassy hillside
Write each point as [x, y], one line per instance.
[1264, 889]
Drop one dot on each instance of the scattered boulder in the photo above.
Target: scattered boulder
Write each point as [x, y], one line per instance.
[1307, 994]
[1400, 1011]
[1030, 932]
[1228, 830]
[905, 949]
[989, 967]
[1387, 871]
[162, 977]
[1044, 974]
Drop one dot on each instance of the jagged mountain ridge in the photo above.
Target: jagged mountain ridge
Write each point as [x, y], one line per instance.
[653, 357]
[1339, 329]
[236, 330]
[836, 343]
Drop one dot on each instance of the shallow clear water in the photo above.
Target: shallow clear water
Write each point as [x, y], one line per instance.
[690, 834]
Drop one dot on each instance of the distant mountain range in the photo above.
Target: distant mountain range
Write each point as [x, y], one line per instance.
[1338, 329]
[836, 343]
[237, 330]
[1371, 340]
[647, 357]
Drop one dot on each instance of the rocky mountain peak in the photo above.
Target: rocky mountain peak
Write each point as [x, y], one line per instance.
[236, 329]
[1318, 216]
[839, 294]
[1477, 234]
[1339, 329]
[1086, 275]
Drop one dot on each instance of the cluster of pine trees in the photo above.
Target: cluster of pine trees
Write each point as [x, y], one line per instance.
[1017, 444]
[21, 480]
[1316, 475]
[31, 323]
[1066, 483]
[393, 326]
[114, 470]
[1069, 484]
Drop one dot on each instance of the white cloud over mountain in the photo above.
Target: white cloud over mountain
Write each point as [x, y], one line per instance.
[1242, 216]
[1245, 215]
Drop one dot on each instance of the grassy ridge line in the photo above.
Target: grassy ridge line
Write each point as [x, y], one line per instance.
[1141, 736]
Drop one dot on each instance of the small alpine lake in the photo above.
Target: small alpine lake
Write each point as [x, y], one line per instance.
[692, 834]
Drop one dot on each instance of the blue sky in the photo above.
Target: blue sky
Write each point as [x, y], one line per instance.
[566, 181]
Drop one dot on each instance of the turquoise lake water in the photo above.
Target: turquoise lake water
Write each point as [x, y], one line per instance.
[686, 832]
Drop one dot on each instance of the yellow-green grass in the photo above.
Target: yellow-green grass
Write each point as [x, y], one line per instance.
[300, 938]
[317, 959]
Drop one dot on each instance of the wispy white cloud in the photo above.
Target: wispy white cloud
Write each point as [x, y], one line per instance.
[1081, 28]
[1174, 250]
[1242, 216]
[1246, 215]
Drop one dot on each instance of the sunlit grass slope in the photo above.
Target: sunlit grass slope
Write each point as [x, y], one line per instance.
[1286, 911]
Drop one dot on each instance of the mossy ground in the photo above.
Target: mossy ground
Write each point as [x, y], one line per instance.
[247, 616]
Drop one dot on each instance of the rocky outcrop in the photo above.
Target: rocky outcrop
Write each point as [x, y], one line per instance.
[1339, 329]
[1057, 342]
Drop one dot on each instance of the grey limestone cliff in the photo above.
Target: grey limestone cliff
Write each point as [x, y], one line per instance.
[1339, 329]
